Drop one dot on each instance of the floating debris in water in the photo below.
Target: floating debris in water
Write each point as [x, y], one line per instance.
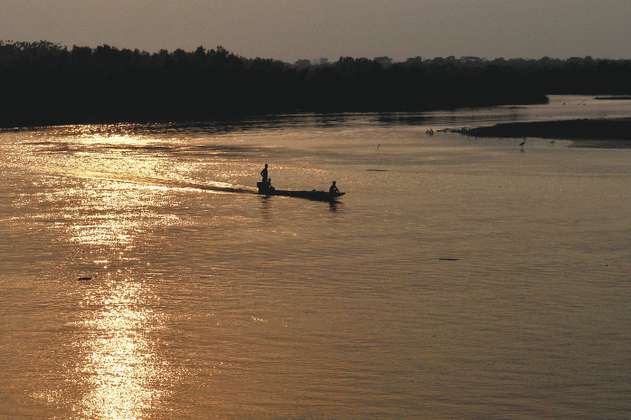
[448, 259]
[85, 278]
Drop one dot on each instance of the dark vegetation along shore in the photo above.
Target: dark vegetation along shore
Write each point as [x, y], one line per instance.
[45, 83]
[615, 132]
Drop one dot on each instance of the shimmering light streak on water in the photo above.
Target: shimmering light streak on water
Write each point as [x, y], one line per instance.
[141, 277]
[121, 369]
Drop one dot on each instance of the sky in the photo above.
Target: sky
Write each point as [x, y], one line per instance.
[294, 29]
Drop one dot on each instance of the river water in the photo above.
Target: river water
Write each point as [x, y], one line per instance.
[458, 278]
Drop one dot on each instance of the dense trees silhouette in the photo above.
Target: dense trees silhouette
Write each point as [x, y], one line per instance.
[46, 83]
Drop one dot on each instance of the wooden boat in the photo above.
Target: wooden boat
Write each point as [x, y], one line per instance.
[308, 195]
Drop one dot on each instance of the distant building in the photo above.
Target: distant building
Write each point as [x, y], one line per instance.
[302, 64]
[414, 62]
[471, 59]
[383, 61]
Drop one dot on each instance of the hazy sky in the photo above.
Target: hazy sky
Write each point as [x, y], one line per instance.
[292, 29]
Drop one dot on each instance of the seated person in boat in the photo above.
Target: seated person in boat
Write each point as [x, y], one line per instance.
[333, 189]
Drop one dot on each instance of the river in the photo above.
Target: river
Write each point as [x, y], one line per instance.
[140, 276]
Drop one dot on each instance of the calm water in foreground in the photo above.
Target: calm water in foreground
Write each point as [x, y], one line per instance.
[457, 279]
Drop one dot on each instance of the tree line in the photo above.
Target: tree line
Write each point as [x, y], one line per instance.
[46, 83]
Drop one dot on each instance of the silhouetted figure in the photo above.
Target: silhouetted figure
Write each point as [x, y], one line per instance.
[333, 189]
[265, 185]
[522, 144]
[264, 175]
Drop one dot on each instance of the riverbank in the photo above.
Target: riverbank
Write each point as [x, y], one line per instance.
[584, 132]
[143, 115]
[613, 98]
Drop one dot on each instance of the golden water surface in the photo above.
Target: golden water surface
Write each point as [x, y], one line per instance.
[140, 276]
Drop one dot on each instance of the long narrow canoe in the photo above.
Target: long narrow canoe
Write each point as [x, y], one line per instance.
[309, 195]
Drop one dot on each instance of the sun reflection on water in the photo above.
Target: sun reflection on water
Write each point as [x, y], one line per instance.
[101, 199]
[113, 213]
[108, 198]
[121, 368]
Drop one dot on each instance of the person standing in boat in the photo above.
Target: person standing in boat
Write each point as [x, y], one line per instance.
[333, 189]
[264, 175]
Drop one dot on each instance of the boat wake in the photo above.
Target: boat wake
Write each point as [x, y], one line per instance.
[211, 187]
[152, 182]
